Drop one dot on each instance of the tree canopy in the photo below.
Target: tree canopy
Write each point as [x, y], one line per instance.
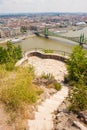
[77, 64]
[77, 72]
[10, 54]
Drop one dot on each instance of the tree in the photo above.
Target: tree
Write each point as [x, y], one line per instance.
[77, 65]
[11, 54]
[77, 72]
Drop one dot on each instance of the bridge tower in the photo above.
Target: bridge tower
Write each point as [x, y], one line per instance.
[46, 32]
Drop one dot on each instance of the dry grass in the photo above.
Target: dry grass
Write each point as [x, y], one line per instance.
[17, 93]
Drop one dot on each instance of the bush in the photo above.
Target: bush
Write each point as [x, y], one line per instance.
[78, 98]
[57, 86]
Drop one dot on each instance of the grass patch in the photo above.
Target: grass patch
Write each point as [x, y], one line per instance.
[15, 92]
[10, 66]
[3, 72]
[48, 51]
[47, 76]
[57, 86]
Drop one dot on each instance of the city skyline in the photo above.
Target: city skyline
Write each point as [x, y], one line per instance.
[31, 6]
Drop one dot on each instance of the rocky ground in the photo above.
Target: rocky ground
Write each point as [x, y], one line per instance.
[66, 120]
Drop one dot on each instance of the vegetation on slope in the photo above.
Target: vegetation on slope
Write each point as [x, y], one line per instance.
[77, 75]
[10, 55]
[47, 51]
[19, 90]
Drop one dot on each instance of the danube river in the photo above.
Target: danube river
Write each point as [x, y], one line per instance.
[44, 43]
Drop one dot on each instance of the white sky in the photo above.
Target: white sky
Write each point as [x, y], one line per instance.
[18, 6]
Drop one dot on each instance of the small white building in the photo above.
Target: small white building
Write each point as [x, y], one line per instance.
[80, 23]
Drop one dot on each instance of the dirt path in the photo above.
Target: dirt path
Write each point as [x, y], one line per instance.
[43, 117]
[54, 67]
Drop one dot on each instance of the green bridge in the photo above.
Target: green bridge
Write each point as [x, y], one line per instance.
[45, 33]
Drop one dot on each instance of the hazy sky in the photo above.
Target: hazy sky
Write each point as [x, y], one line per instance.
[14, 6]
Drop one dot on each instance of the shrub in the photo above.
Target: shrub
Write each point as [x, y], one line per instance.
[78, 98]
[57, 86]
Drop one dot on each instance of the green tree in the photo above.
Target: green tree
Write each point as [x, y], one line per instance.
[14, 52]
[77, 72]
[10, 55]
[77, 65]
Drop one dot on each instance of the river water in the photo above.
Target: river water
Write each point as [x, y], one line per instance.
[44, 43]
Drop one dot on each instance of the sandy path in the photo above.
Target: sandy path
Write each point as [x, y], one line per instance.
[43, 117]
[57, 68]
